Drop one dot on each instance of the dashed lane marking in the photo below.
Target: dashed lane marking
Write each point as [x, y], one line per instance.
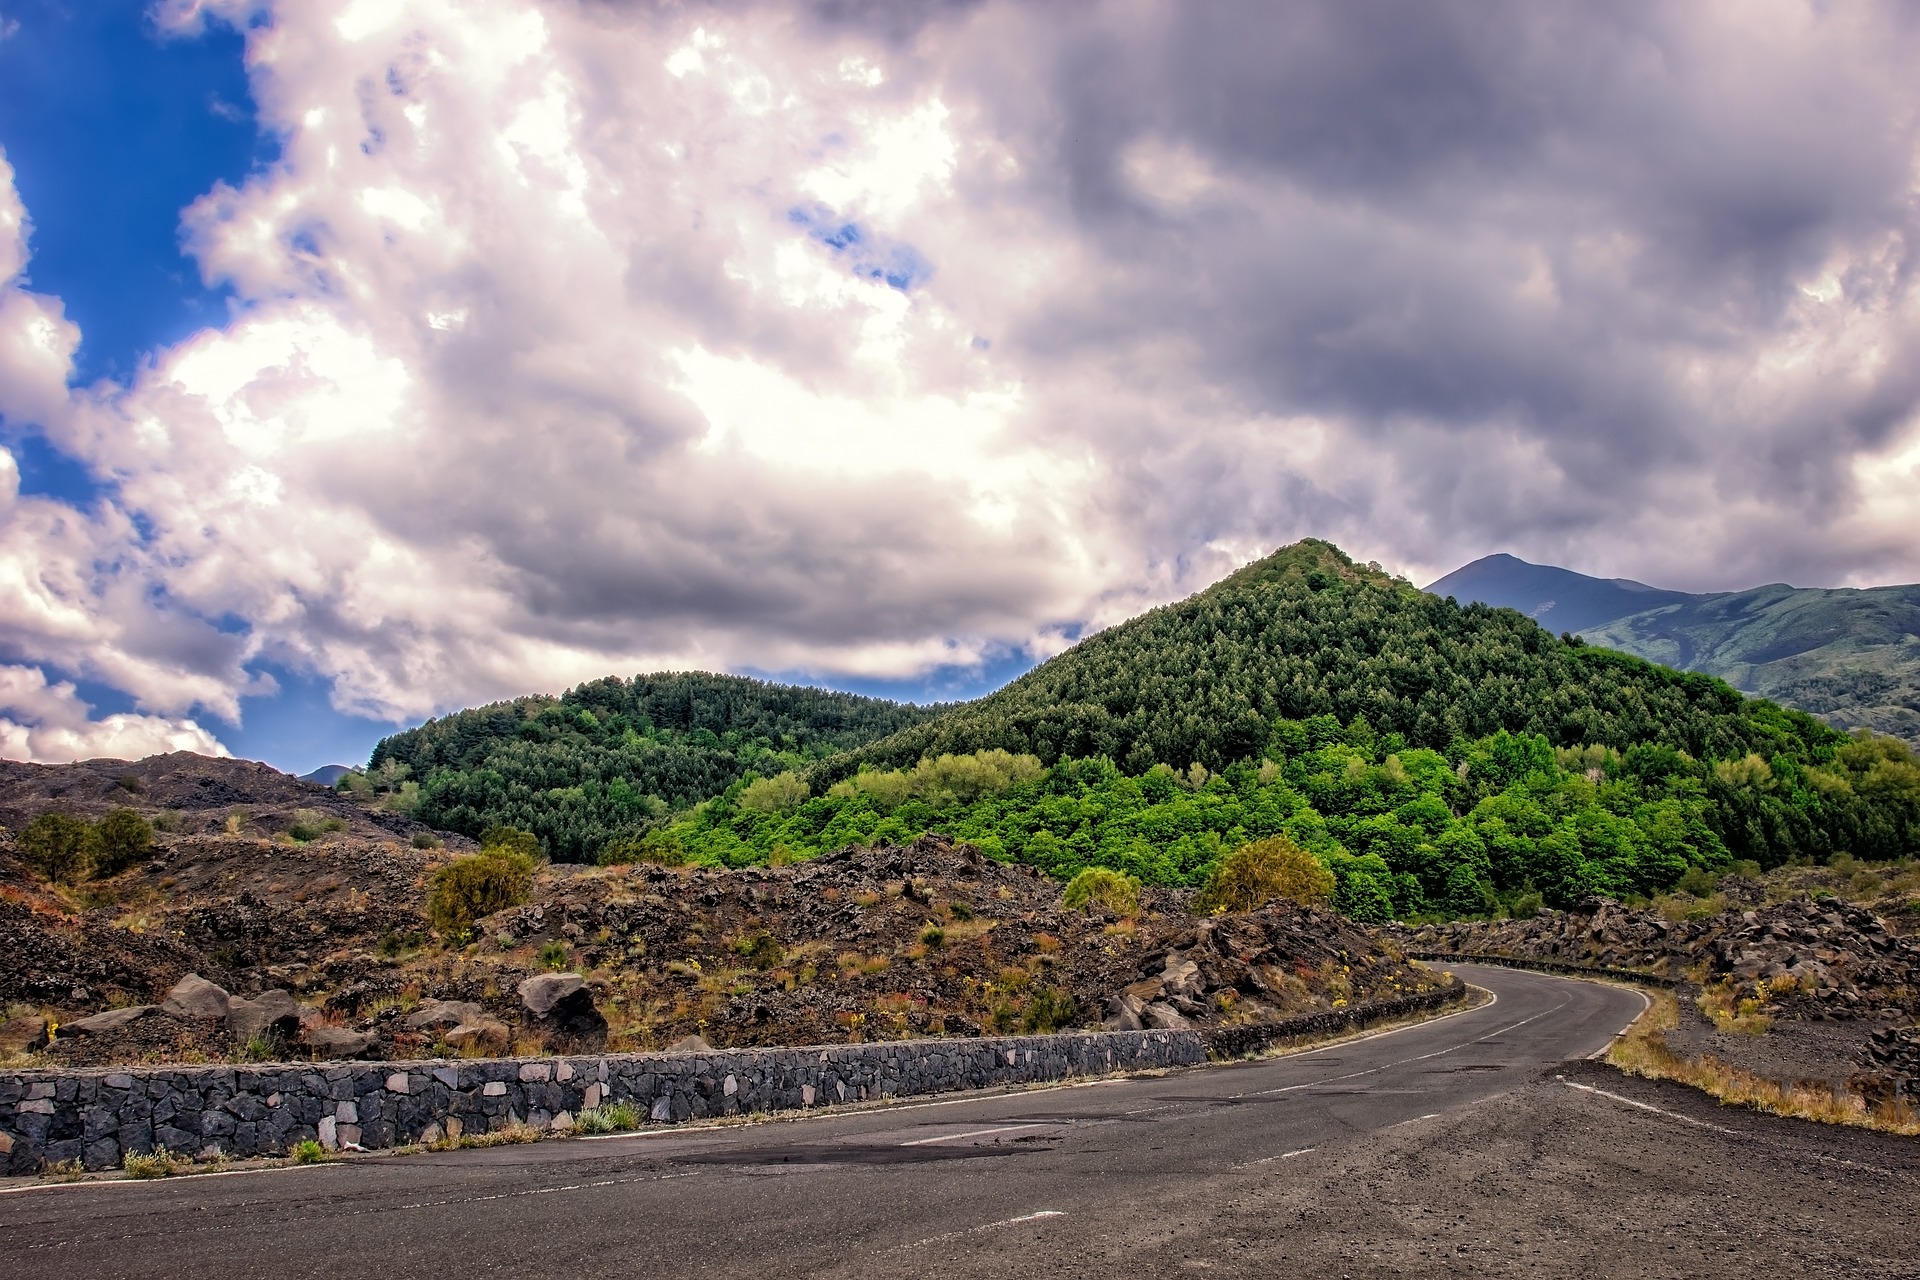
[1036, 1216]
[971, 1133]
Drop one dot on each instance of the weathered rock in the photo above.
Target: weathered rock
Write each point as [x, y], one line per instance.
[23, 1034]
[1181, 977]
[542, 994]
[690, 1044]
[336, 1042]
[269, 1015]
[1164, 1017]
[1124, 1013]
[481, 1036]
[108, 1022]
[432, 1015]
[194, 999]
[562, 1005]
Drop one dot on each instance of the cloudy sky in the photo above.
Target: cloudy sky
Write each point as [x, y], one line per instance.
[360, 361]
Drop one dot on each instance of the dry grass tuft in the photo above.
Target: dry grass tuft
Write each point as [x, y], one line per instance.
[1643, 1051]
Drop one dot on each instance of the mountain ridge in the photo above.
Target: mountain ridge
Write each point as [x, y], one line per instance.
[1850, 655]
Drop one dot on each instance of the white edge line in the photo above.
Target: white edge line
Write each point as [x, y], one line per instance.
[973, 1133]
[175, 1178]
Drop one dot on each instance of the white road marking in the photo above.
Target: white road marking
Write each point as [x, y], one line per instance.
[971, 1133]
[1284, 1155]
[1646, 1003]
[1035, 1216]
[175, 1179]
[1388, 1066]
[1416, 1120]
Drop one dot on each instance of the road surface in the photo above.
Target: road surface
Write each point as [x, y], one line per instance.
[1477, 1143]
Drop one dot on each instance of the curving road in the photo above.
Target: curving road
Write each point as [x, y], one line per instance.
[1139, 1175]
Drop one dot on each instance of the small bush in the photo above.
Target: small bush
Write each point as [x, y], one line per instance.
[427, 840]
[167, 820]
[478, 885]
[759, 950]
[959, 911]
[511, 840]
[156, 1165]
[1048, 1010]
[1525, 906]
[56, 845]
[933, 936]
[310, 824]
[1698, 882]
[308, 1151]
[611, 1117]
[1118, 893]
[554, 956]
[1262, 870]
[649, 848]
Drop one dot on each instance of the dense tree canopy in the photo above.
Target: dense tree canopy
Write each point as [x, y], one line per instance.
[609, 758]
[1307, 633]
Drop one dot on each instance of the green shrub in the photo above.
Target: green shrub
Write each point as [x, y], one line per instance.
[1258, 872]
[653, 848]
[933, 936]
[478, 885]
[310, 824]
[56, 845]
[1048, 1010]
[121, 839]
[158, 1164]
[512, 840]
[1525, 905]
[308, 1151]
[427, 840]
[1118, 893]
[554, 955]
[760, 949]
[610, 1117]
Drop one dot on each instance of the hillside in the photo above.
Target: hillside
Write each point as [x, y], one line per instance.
[1851, 657]
[605, 759]
[1306, 632]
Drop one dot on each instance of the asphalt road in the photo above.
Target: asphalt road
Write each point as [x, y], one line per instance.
[1132, 1175]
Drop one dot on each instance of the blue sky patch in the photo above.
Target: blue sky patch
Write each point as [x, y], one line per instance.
[869, 256]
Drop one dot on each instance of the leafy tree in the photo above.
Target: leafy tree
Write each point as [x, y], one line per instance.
[121, 839]
[56, 845]
[1261, 870]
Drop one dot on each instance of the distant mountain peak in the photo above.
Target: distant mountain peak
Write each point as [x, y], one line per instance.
[1560, 599]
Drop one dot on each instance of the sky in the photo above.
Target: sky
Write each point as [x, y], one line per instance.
[368, 360]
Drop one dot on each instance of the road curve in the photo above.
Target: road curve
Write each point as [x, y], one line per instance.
[975, 1185]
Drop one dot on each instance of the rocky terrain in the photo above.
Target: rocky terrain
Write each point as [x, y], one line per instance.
[1805, 989]
[234, 940]
[188, 794]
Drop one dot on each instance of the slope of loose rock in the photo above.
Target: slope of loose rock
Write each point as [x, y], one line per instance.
[932, 938]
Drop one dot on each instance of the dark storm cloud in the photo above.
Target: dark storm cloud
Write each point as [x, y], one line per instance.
[1385, 178]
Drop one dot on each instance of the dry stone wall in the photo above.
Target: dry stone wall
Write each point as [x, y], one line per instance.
[97, 1117]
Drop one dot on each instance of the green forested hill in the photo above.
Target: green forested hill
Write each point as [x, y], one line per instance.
[1306, 633]
[1851, 657]
[607, 759]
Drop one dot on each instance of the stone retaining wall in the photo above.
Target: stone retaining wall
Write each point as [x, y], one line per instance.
[96, 1117]
[1237, 1042]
